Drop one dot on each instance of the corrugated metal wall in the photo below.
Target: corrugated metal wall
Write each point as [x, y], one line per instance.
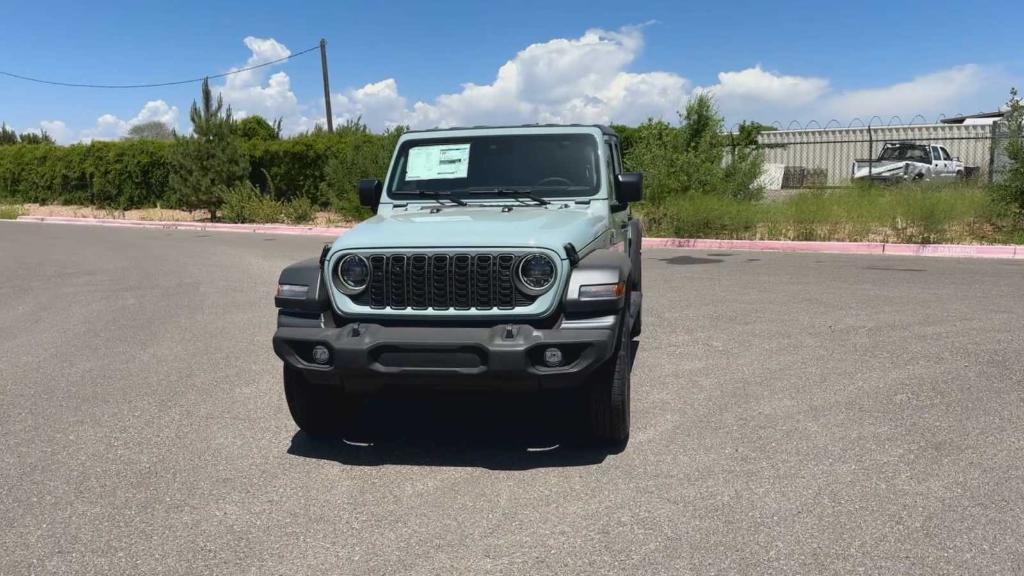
[828, 154]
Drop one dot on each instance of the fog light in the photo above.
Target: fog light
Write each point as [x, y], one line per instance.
[321, 355]
[552, 357]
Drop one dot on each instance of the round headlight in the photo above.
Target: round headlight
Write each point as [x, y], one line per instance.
[535, 274]
[353, 273]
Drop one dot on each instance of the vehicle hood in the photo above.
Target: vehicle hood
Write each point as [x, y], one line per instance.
[478, 227]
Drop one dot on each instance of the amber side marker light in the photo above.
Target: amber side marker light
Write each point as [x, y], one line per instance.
[293, 291]
[602, 291]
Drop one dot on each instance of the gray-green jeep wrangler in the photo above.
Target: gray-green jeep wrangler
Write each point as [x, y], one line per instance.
[499, 258]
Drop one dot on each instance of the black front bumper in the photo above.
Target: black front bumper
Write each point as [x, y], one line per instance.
[371, 357]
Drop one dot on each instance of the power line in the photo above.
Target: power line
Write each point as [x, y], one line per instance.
[157, 84]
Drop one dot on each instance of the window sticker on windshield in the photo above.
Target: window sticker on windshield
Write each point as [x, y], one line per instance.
[438, 162]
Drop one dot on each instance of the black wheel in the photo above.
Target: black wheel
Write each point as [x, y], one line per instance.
[609, 394]
[636, 258]
[637, 327]
[317, 409]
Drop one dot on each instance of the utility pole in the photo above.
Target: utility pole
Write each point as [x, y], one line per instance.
[327, 85]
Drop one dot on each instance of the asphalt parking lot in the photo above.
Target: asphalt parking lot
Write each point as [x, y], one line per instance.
[792, 414]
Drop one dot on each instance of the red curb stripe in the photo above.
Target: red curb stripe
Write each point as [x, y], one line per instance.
[937, 250]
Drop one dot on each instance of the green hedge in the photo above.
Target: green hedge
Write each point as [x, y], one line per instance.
[115, 174]
[322, 168]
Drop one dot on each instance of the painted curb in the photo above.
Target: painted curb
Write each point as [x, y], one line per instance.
[876, 248]
[768, 245]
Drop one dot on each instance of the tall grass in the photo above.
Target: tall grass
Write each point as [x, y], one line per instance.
[905, 214]
[10, 212]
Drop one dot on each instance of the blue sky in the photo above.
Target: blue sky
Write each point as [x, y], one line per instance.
[398, 62]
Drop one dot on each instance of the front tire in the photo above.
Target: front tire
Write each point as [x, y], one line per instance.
[318, 410]
[637, 326]
[609, 393]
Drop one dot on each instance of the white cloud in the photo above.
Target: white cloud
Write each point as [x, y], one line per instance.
[110, 127]
[755, 85]
[377, 104]
[156, 111]
[583, 79]
[248, 95]
[947, 91]
[57, 130]
[588, 79]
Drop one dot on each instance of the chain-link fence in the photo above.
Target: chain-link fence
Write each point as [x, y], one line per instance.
[817, 157]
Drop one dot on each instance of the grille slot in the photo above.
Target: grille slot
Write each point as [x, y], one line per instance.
[439, 281]
[444, 282]
[504, 289]
[397, 284]
[461, 282]
[418, 282]
[483, 281]
[378, 284]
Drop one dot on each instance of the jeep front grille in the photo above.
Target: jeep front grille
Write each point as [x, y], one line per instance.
[442, 282]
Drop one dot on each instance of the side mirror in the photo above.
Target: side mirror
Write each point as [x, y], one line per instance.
[369, 193]
[629, 187]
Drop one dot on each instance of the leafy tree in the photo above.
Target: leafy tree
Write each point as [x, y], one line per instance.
[694, 158]
[8, 137]
[36, 138]
[257, 128]
[627, 137]
[1011, 188]
[153, 130]
[748, 133]
[211, 161]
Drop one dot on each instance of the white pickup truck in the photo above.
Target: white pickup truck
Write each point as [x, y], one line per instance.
[905, 161]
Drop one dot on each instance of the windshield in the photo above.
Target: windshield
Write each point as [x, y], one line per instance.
[544, 164]
[908, 152]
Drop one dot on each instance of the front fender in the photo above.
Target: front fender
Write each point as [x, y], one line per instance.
[305, 273]
[607, 266]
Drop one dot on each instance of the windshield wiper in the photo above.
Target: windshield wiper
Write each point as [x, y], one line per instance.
[514, 192]
[437, 195]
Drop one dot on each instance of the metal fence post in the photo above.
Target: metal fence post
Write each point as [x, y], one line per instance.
[993, 141]
[870, 157]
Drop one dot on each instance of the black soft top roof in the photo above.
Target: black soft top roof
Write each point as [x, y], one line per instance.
[604, 129]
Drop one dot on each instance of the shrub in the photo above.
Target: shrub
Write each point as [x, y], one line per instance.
[192, 173]
[1010, 189]
[111, 174]
[925, 213]
[243, 203]
[695, 158]
[255, 127]
[299, 211]
[10, 212]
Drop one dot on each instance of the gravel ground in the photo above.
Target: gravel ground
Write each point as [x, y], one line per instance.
[150, 214]
[792, 414]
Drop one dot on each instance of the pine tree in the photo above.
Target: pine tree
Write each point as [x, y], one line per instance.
[210, 162]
